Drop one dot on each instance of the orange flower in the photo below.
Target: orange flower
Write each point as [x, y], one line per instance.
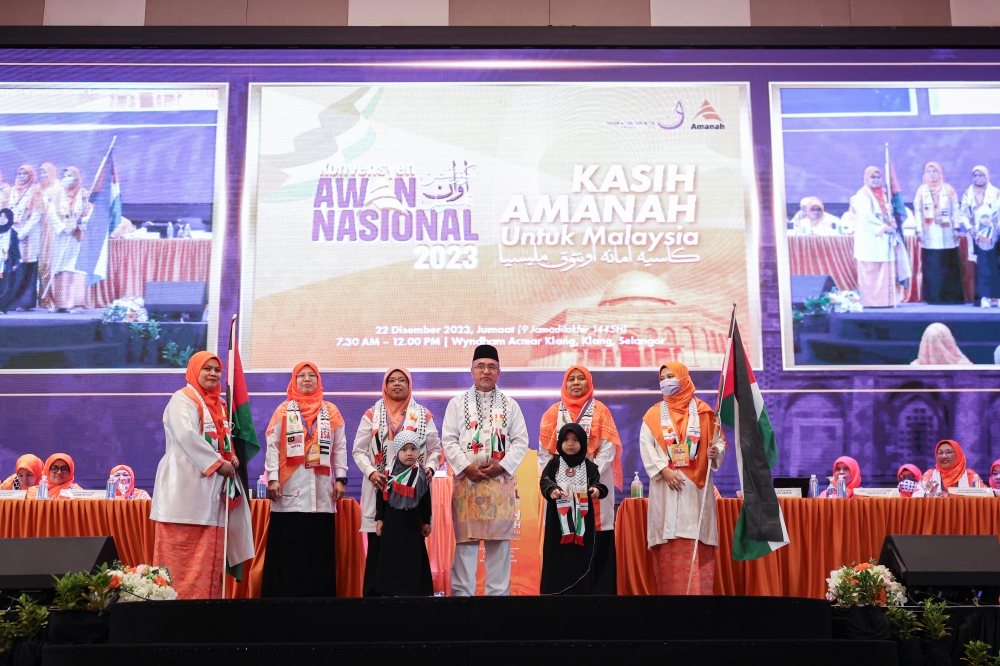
[129, 569]
[863, 566]
[880, 598]
[115, 583]
[159, 580]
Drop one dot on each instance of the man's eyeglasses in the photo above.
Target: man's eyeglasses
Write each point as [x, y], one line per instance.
[483, 367]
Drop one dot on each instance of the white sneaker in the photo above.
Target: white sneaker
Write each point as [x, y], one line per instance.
[984, 302]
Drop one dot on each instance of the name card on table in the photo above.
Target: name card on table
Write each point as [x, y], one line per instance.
[970, 492]
[788, 492]
[13, 494]
[74, 493]
[876, 492]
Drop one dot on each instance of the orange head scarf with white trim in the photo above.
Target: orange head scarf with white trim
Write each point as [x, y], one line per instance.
[30, 462]
[55, 489]
[602, 426]
[395, 410]
[213, 398]
[309, 406]
[950, 476]
[679, 405]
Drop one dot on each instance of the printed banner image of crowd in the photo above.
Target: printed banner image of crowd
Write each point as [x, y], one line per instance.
[886, 214]
[108, 195]
[607, 224]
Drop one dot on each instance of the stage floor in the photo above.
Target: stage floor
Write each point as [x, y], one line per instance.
[479, 630]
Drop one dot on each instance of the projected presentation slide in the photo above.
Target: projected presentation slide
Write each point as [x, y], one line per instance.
[887, 223]
[607, 224]
[107, 203]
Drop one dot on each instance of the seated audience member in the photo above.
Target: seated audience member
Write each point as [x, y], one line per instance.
[59, 471]
[938, 347]
[995, 475]
[27, 472]
[949, 472]
[125, 484]
[813, 220]
[847, 466]
[909, 479]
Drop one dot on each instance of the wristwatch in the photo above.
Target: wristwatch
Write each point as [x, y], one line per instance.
[342, 479]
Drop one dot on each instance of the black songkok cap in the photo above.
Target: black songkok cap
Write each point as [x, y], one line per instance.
[486, 351]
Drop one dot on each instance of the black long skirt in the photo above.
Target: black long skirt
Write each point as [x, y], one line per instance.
[987, 273]
[301, 556]
[568, 568]
[20, 288]
[942, 281]
[371, 566]
[605, 563]
[403, 568]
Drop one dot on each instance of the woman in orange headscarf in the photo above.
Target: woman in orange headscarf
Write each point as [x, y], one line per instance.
[27, 473]
[394, 412]
[847, 467]
[306, 467]
[59, 473]
[935, 206]
[604, 448]
[949, 471]
[124, 479]
[679, 442]
[188, 502]
[813, 220]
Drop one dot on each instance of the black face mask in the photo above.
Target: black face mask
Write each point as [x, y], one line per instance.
[581, 434]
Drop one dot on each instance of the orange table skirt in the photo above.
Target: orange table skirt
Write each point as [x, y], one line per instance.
[133, 531]
[824, 535]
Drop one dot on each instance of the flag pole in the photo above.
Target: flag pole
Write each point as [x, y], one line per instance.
[228, 480]
[708, 470]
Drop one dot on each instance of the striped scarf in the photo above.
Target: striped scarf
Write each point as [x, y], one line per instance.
[575, 500]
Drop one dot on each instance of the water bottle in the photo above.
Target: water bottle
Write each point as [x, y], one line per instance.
[170, 229]
[110, 489]
[43, 489]
[637, 487]
[261, 487]
[813, 486]
[841, 486]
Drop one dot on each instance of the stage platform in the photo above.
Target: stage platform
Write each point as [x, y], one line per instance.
[481, 631]
[891, 336]
[39, 339]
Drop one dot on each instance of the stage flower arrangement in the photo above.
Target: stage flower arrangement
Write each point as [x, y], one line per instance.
[865, 584]
[131, 310]
[142, 583]
[845, 301]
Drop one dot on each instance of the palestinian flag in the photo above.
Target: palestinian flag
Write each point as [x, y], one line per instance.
[761, 527]
[242, 434]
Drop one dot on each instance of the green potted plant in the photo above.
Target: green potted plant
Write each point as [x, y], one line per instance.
[905, 631]
[80, 601]
[22, 632]
[935, 643]
[860, 594]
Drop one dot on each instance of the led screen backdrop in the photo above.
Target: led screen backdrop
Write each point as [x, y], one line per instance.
[324, 194]
[564, 224]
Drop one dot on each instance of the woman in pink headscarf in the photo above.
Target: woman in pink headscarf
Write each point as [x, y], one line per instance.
[995, 475]
[938, 347]
[935, 206]
[394, 412]
[849, 468]
[909, 479]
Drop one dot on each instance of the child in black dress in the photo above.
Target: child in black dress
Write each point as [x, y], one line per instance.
[570, 483]
[403, 520]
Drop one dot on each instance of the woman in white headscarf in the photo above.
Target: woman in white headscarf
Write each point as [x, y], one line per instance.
[978, 209]
[875, 239]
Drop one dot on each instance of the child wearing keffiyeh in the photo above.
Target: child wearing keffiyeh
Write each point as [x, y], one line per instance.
[403, 520]
[570, 483]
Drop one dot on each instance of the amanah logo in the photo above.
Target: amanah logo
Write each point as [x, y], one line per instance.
[706, 112]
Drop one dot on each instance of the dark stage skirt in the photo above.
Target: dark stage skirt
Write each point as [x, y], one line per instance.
[987, 273]
[605, 564]
[20, 288]
[942, 276]
[569, 568]
[301, 558]
[403, 568]
[371, 565]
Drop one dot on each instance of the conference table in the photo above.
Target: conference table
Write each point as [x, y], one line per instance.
[824, 534]
[132, 262]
